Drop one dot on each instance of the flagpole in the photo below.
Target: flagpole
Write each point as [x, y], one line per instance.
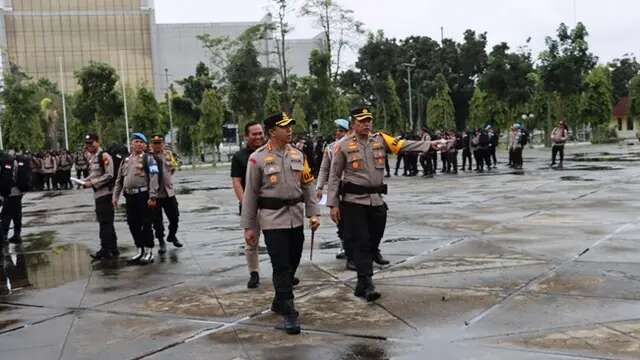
[64, 106]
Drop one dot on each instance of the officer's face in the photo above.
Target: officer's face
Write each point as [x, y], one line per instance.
[157, 146]
[362, 127]
[255, 136]
[340, 133]
[282, 134]
[92, 147]
[137, 146]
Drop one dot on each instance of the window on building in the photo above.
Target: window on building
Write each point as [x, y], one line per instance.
[619, 124]
[629, 124]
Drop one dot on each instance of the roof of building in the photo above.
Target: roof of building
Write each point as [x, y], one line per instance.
[622, 107]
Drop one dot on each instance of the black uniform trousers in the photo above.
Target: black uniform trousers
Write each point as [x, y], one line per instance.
[285, 249]
[444, 156]
[466, 156]
[425, 162]
[400, 158]
[105, 216]
[452, 165]
[492, 152]
[347, 245]
[434, 160]
[12, 211]
[486, 157]
[516, 157]
[170, 207]
[555, 150]
[139, 219]
[364, 226]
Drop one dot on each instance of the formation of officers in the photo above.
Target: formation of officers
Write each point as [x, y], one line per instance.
[51, 170]
[145, 178]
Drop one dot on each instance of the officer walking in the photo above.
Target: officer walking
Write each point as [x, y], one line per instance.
[559, 137]
[254, 138]
[342, 128]
[101, 180]
[167, 201]
[138, 179]
[356, 188]
[279, 182]
[12, 207]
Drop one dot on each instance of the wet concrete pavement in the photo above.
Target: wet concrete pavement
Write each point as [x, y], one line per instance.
[533, 264]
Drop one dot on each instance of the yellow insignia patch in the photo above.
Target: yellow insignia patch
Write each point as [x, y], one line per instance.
[307, 176]
[355, 165]
[273, 179]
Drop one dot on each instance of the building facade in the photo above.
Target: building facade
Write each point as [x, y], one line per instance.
[47, 38]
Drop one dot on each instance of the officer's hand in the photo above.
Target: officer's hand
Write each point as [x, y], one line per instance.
[250, 237]
[87, 184]
[335, 214]
[114, 202]
[314, 223]
[152, 203]
[319, 195]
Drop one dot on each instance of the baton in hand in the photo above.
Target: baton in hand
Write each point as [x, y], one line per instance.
[313, 237]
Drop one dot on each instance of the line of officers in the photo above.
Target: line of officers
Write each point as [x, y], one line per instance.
[280, 191]
[145, 178]
[52, 169]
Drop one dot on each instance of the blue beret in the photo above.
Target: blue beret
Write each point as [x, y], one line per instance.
[139, 136]
[342, 124]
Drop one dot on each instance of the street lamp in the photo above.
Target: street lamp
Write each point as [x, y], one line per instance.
[166, 75]
[409, 67]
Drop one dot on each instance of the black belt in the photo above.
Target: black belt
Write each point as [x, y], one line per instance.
[277, 204]
[351, 188]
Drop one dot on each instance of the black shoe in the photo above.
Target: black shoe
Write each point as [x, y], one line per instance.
[351, 266]
[103, 255]
[291, 324]
[137, 257]
[388, 175]
[147, 258]
[341, 255]
[15, 239]
[366, 290]
[162, 247]
[295, 281]
[378, 259]
[254, 280]
[174, 241]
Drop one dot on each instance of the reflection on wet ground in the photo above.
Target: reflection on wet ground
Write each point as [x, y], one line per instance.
[538, 263]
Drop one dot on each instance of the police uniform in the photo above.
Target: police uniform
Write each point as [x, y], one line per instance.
[12, 207]
[279, 191]
[323, 179]
[138, 180]
[81, 164]
[356, 185]
[49, 167]
[101, 180]
[167, 201]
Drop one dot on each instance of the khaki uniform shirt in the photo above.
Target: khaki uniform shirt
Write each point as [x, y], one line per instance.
[100, 179]
[325, 166]
[282, 174]
[166, 162]
[80, 161]
[132, 176]
[559, 136]
[361, 162]
[49, 164]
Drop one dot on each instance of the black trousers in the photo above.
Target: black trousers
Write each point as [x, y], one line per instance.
[466, 156]
[386, 164]
[347, 245]
[47, 179]
[452, 162]
[444, 156]
[555, 150]
[434, 160]
[364, 226]
[399, 159]
[516, 157]
[170, 207]
[425, 162]
[285, 249]
[139, 219]
[486, 157]
[492, 152]
[37, 180]
[12, 211]
[105, 216]
[478, 158]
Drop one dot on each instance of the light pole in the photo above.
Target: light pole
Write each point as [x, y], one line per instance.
[166, 75]
[410, 66]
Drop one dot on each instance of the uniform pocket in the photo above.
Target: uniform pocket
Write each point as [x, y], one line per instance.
[272, 173]
[356, 161]
[378, 157]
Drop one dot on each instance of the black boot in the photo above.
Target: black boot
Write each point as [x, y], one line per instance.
[137, 257]
[290, 316]
[103, 254]
[254, 280]
[147, 258]
[365, 289]
[351, 265]
[341, 255]
[174, 240]
[15, 239]
[162, 247]
[378, 259]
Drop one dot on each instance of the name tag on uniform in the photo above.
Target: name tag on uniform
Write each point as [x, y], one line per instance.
[153, 169]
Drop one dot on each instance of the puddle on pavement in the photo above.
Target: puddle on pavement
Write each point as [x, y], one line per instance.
[591, 168]
[43, 270]
[400, 239]
[261, 251]
[38, 241]
[188, 190]
[329, 245]
[574, 178]
[205, 209]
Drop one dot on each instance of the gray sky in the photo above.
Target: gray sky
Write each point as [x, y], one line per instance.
[613, 25]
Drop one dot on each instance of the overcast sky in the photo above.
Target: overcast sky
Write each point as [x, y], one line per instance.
[613, 25]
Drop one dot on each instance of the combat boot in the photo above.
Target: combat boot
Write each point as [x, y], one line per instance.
[138, 256]
[290, 317]
[162, 247]
[15, 239]
[365, 289]
[351, 265]
[378, 259]
[254, 280]
[174, 240]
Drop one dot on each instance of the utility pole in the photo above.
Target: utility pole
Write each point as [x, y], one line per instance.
[124, 98]
[169, 96]
[64, 106]
[409, 67]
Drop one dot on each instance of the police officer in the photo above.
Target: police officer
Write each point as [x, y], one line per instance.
[82, 164]
[279, 182]
[167, 201]
[342, 128]
[101, 180]
[138, 179]
[356, 188]
[48, 170]
[12, 207]
[254, 138]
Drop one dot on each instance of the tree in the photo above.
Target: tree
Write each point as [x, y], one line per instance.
[211, 120]
[301, 126]
[282, 27]
[389, 111]
[440, 110]
[21, 127]
[622, 71]
[596, 103]
[634, 97]
[478, 109]
[339, 28]
[145, 116]
[508, 76]
[98, 103]
[272, 100]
